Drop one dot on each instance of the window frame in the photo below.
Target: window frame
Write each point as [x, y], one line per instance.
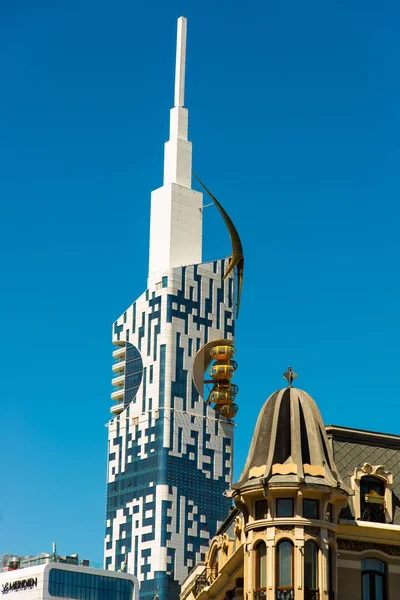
[257, 504]
[314, 502]
[317, 551]
[379, 472]
[378, 481]
[280, 588]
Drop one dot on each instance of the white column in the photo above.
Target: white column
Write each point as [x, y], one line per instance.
[271, 551]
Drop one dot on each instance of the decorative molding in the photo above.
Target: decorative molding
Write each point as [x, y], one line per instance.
[314, 470]
[356, 546]
[257, 471]
[377, 470]
[238, 527]
[316, 531]
[284, 528]
[223, 542]
[286, 469]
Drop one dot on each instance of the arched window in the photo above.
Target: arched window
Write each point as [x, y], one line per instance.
[372, 491]
[373, 574]
[214, 566]
[261, 567]
[284, 575]
[311, 570]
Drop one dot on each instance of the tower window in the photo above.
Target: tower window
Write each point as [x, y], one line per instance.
[373, 577]
[284, 573]
[311, 569]
[284, 507]
[310, 508]
[261, 567]
[261, 511]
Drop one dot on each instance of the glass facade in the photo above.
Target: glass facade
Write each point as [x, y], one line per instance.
[87, 586]
[133, 373]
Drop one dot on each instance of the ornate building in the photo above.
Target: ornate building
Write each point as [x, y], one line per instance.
[316, 516]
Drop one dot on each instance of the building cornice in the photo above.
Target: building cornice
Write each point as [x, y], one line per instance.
[360, 435]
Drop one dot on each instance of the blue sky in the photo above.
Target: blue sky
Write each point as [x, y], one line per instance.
[294, 118]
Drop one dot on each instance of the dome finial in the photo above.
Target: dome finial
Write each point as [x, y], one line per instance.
[290, 375]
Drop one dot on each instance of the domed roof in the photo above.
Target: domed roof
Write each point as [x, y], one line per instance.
[290, 443]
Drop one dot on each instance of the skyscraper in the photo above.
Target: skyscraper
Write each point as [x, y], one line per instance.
[170, 452]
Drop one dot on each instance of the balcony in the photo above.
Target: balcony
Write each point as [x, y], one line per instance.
[204, 580]
[118, 381]
[118, 395]
[259, 594]
[119, 353]
[117, 409]
[119, 366]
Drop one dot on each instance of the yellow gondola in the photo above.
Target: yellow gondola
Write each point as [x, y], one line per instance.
[221, 397]
[221, 371]
[222, 352]
[227, 410]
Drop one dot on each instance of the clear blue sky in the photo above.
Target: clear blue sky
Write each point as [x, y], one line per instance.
[294, 118]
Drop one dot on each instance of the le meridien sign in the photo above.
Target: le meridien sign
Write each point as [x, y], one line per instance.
[21, 584]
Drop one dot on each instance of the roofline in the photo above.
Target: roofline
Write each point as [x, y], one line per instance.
[24, 572]
[373, 437]
[229, 519]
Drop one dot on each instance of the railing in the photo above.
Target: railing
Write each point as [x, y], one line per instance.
[284, 594]
[204, 580]
[311, 594]
[259, 594]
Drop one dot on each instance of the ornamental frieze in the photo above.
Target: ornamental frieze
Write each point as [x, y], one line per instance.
[356, 546]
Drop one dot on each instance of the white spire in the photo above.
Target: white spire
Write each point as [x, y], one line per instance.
[180, 63]
[178, 151]
[176, 216]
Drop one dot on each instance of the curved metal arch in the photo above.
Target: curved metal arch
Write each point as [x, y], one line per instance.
[237, 258]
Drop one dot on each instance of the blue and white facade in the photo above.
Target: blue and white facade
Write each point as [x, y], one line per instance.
[170, 454]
